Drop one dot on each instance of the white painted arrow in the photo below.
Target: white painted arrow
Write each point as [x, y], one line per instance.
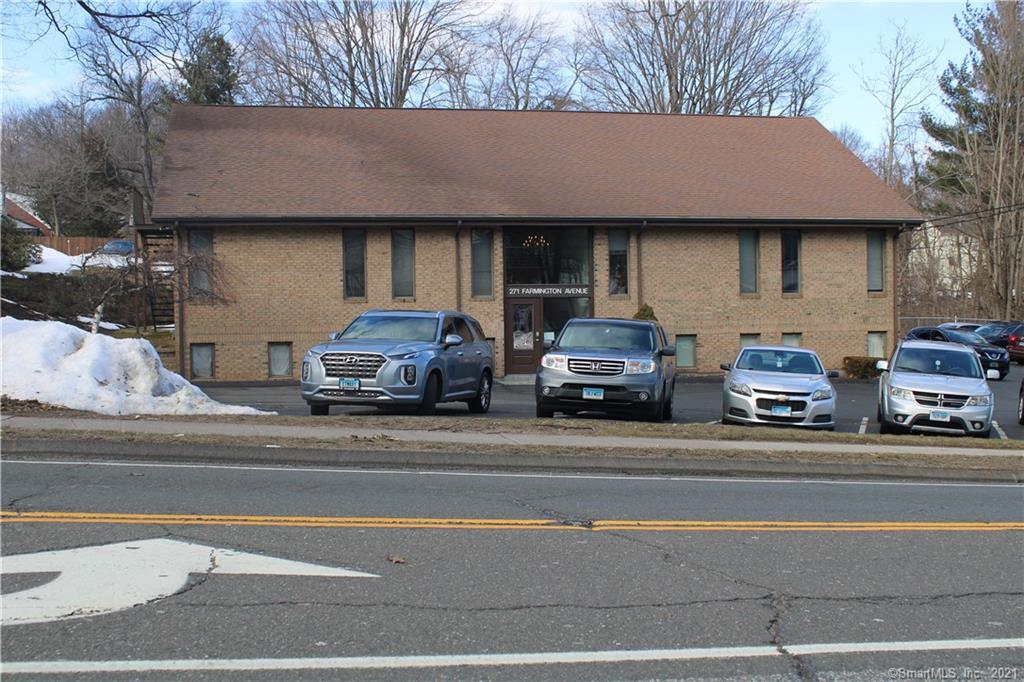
[106, 578]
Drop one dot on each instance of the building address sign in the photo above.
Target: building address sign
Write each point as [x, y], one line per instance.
[531, 290]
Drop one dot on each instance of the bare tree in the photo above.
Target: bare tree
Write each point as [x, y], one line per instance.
[351, 53]
[900, 89]
[855, 142]
[687, 56]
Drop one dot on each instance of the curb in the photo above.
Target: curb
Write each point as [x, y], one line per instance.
[25, 447]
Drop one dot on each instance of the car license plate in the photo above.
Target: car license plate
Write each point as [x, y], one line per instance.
[782, 411]
[593, 394]
[352, 384]
[940, 416]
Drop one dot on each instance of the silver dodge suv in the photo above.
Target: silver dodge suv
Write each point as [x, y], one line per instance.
[935, 387]
[608, 365]
[401, 357]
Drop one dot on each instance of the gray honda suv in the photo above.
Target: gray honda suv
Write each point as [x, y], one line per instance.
[401, 357]
[608, 365]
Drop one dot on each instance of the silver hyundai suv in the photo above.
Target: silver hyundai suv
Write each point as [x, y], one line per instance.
[936, 387]
[608, 365]
[401, 357]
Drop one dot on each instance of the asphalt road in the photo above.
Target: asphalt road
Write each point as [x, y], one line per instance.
[746, 599]
[696, 400]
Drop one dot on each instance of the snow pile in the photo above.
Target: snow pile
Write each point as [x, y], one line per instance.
[56, 263]
[58, 364]
[16, 275]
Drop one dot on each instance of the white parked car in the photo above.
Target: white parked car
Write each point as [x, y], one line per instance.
[937, 387]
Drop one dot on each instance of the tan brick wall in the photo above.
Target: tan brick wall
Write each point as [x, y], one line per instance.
[285, 285]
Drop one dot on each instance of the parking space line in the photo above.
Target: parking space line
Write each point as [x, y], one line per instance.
[999, 430]
[863, 426]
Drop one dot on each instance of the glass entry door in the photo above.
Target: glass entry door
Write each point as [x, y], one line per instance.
[524, 335]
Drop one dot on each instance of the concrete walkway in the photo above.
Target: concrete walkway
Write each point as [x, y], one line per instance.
[539, 440]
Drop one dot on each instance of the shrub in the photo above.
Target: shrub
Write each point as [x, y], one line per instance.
[645, 312]
[17, 250]
[860, 367]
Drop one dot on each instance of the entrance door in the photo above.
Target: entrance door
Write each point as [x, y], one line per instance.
[524, 336]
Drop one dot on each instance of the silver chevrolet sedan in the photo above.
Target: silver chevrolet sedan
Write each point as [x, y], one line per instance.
[778, 385]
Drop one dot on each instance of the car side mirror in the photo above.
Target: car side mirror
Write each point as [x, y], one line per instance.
[832, 374]
[882, 365]
[726, 366]
[992, 374]
[668, 351]
[334, 336]
[548, 344]
[452, 340]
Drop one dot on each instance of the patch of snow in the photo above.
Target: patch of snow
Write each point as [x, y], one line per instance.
[58, 364]
[56, 263]
[111, 326]
[16, 275]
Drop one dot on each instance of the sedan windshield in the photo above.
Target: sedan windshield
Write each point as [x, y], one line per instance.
[787, 362]
[990, 331]
[966, 338]
[392, 328]
[607, 336]
[951, 363]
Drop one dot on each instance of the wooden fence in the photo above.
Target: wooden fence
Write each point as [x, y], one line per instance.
[73, 246]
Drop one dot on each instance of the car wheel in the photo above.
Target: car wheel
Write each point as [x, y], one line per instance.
[983, 434]
[319, 409]
[544, 412]
[657, 412]
[1020, 361]
[429, 404]
[1020, 409]
[885, 426]
[666, 413]
[878, 414]
[482, 402]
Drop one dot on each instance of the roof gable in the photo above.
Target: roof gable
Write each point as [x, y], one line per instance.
[310, 163]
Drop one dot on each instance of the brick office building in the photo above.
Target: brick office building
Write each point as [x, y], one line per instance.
[733, 229]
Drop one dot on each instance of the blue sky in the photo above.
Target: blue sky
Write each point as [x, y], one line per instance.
[32, 73]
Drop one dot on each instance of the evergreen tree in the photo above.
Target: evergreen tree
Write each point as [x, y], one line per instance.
[17, 250]
[210, 74]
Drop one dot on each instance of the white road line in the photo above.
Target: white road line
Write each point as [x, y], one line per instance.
[492, 660]
[999, 430]
[483, 474]
[863, 426]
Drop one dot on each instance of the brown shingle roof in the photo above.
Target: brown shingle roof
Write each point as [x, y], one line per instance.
[15, 211]
[299, 163]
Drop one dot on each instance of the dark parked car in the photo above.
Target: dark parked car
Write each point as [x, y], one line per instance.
[118, 247]
[608, 365]
[992, 357]
[997, 333]
[1020, 404]
[1015, 343]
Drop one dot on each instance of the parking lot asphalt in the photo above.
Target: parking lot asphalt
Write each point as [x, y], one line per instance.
[698, 400]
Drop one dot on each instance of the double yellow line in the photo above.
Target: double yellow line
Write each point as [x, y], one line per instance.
[665, 525]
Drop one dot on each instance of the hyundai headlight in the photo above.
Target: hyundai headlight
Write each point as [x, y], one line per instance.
[901, 393]
[979, 400]
[822, 394]
[552, 361]
[742, 389]
[640, 366]
[406, 356]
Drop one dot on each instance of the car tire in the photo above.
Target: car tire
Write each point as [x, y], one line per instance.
[666, 412]
[885, 426]
[1020, 409]
[319, 409]
[544, 412]
[1021, 361]
[983, 434]
[482, 402]
[878, 414]
[428, 405]
[656, 412]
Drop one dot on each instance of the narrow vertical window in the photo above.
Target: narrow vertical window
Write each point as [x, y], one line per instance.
[876, 260]
[200, 263]
[748, 261]
[353, 249]
[279, 359]
[795, 339]
[749, 340]
[790, 261]
[686, 350]
[876, 344]
[618, 262]
[201, 360]
[403, 263]
[482, 256]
